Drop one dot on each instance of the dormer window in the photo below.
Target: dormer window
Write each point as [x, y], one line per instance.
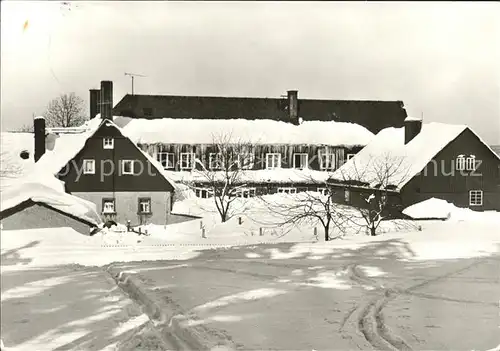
[460, 163]
[108, 143]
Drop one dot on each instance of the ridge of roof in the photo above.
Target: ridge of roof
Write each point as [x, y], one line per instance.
[256, 98]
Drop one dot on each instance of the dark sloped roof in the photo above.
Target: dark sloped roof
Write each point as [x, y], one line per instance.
[374, 115]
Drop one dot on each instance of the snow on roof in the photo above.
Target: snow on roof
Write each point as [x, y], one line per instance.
[388, 154]
[50, 191]
[413, 119]
[12, 165]
[262, 176]
[67, 146]
[203, 131]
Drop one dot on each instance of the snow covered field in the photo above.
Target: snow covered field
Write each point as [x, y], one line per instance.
[466, 233]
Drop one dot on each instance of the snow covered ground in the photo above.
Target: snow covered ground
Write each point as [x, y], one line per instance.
[465, 234]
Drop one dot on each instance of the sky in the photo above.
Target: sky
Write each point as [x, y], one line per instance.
[442, 59]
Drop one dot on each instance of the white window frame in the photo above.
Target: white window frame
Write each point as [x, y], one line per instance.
[215, 161]
[170, 164]
[349, 156]
[88, 161]
[287, 190]
[252, 192]
[470, 163]
[460, 163]
[123, 163]
[271, 156]
[108, 143]
[248, 160]
[476, 195]
[200, 191]
[330, 166]
[306, 159]
[144, 201]
[186, 154]
[109, 201]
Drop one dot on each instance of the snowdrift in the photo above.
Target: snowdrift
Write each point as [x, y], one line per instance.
[441, 209]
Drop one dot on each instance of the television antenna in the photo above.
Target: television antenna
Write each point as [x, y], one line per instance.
[133, 75]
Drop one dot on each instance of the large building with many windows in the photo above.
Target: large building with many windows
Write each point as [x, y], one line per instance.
[281, 144]
[271, 156]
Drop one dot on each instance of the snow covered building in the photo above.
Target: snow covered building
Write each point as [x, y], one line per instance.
[293, 144]
[373, 115]
[35, 202]
[99, 164]
[275, 156]
[103, 166]
[422, 161]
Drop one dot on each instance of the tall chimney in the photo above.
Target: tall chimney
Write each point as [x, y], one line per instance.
[95, 102]
[39, 128]
[412, 126]
[293, 106]
[107, 99]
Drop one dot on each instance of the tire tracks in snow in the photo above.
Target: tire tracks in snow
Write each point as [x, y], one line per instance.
[370, 319]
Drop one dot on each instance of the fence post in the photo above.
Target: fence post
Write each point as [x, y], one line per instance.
[128, 225]
[316, 232]
[240, 220]
[203, 233]
[261, 232]
[201, 224]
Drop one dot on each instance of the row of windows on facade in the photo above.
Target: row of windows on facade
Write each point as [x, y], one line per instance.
[143, 206]
[273, 160]
[127, 166]
[475, 196]
[251, 192]
[247, 161]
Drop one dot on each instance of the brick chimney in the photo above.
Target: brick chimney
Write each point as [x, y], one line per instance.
[95, 102]
[412, 126]
[293, 106]
[107, 99]
[39, 128]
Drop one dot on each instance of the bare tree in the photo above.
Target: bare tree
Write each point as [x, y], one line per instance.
[310, 207]
[65, 111]
[376, 181]
[224, 177]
